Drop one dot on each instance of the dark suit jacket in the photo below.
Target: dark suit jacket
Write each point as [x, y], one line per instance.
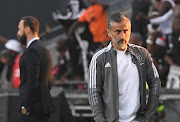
[35, 74]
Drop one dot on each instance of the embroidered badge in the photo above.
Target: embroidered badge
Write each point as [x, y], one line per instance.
[139, 58]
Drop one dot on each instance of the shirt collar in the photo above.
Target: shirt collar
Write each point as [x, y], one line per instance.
[110, 45]
[32, 40]
[120, 50]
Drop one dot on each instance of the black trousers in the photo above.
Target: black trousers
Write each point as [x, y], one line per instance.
[36, 114]
[36, 117]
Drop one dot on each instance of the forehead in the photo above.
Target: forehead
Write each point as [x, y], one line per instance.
[124, 24]
[21, 23]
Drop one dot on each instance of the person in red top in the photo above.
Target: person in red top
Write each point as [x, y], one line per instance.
[96, 16]
[15, 82]
[16, 73]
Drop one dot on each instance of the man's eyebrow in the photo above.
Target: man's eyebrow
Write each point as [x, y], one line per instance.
[118, 30]
[121, 30]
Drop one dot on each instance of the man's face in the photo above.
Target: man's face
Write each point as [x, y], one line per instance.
[22, 37]
[120, 34]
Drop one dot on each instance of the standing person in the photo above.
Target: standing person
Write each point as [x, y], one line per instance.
[96, 17]
[118, 75]
[7, 60]
[15, 82]
[64, 65]
[173, 57]
[139, 25]
[35, 74]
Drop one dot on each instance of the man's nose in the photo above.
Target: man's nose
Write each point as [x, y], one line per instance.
[18, 33]
[122, 35]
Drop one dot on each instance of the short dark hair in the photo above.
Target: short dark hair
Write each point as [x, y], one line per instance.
[32, 23]
[116, 17]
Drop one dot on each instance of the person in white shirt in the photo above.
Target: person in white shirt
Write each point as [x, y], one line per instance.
[117, 78]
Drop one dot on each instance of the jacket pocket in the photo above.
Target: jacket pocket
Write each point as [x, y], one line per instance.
[111, 118]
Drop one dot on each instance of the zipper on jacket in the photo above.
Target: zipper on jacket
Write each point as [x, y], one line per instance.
[135, 60]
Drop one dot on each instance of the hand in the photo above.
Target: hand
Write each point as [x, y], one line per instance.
[24, 111]
[48, 29]
[3, 59]
[54, 16]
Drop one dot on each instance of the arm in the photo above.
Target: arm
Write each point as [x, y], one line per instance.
[154, 88]
[50, 82]
[29, 81]
[162, 18]
[169, 60]
[73, 27]
[164, 8]
[3, 39]
[47, 31]
[95, 90]
[65, 75]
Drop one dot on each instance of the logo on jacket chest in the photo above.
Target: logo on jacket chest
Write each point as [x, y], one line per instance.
[139, 58]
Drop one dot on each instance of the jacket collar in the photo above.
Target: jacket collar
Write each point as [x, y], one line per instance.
[31, 41]
[129, 49]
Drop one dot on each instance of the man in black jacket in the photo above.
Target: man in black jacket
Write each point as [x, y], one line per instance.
[35, 74]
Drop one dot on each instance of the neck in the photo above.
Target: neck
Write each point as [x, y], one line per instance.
[31, 36]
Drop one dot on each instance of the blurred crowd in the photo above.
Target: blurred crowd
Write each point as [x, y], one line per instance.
[155, 26]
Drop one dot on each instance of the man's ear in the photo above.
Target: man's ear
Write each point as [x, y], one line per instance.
[27, 30]
[109, 32]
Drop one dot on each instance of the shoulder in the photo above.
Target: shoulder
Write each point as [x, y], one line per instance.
[139, 51]
[94, 7]
[35, 48]
[37, 45]
[31, 52]
[136, 47]
[101, 53]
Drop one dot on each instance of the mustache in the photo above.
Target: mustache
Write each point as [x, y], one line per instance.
[121, 40]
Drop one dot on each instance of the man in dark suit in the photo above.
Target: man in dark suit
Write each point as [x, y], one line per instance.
[35, 74]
